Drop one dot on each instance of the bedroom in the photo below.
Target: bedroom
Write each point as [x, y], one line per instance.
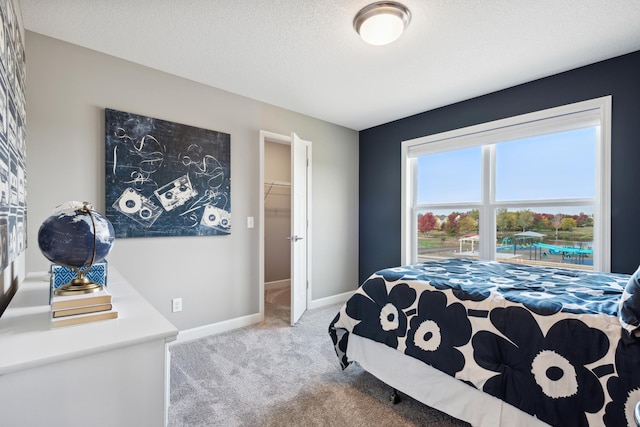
[69, 85]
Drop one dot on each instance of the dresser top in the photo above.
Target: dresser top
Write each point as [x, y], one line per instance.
[27, 339]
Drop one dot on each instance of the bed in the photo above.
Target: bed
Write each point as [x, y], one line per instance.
[495, 343]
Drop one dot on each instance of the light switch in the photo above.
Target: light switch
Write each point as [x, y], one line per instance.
[249, 222]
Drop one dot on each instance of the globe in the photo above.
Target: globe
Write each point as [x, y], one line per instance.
[71, 234]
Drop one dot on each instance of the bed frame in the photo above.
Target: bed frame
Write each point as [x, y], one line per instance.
[434, 388]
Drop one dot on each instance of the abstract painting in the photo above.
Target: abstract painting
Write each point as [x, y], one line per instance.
[165, 178]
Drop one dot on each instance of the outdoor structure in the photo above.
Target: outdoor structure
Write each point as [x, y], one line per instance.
[529, 241]
[474, 241]
[568, 253]
[527, 237]
[469, 238]
[524, 240]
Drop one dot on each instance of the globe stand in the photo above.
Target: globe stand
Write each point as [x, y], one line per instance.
[78, 286]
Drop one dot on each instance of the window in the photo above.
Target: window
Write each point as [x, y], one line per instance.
[532, 189]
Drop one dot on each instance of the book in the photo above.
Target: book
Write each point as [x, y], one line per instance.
[81, 310]
[61, 302]
[84, 318]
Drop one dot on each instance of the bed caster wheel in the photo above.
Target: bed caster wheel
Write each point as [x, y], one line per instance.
[394, 398]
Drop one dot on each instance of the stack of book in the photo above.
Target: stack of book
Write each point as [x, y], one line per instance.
[69, 310]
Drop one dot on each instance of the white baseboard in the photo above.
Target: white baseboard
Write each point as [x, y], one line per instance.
[334, 299]
[277, 284]
[216, 328]
[241, 322]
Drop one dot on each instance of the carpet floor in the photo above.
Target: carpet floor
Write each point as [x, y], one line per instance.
[272, 374]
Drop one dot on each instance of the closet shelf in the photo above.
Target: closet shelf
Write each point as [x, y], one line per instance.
[269, 185]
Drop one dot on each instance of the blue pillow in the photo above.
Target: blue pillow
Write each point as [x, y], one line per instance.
[630, 304]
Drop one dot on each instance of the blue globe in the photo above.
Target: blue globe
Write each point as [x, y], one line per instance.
[67, 237]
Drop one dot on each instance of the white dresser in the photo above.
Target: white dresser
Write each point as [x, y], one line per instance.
[106, 373]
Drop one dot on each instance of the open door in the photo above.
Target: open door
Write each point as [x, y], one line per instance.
[300, 151]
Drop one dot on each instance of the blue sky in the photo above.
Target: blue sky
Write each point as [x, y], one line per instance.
[552, 166]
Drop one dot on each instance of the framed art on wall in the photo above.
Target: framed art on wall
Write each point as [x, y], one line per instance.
[13, 198]
[165, 178]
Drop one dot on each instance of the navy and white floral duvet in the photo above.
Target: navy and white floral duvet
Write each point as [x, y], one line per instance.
[545, 340]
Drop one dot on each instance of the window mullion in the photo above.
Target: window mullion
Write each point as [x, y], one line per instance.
[487, 226]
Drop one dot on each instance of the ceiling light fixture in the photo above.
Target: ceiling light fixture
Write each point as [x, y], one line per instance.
[382, 22]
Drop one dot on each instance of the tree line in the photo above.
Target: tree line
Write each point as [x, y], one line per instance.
[461, 223]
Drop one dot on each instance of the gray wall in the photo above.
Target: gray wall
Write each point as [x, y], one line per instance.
[335, 201]
[68, 88]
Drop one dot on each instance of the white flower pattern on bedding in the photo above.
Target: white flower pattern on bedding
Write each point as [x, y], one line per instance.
[546, 340]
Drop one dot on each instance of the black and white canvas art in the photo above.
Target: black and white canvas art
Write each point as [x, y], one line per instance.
[165, 178]
[13, 197]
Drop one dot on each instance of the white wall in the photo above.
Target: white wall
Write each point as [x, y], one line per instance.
[68, 88]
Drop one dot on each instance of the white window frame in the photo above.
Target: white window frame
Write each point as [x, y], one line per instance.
[594, 112]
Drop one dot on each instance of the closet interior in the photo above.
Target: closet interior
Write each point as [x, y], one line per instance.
[277, 223]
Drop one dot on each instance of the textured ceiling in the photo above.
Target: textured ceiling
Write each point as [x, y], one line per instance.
[305, 55]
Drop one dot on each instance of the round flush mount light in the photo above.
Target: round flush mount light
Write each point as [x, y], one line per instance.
[382, 22]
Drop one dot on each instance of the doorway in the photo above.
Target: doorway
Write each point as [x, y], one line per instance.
[277, 231]
[285, 224]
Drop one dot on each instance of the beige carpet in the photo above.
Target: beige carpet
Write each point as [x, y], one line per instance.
[274, 375]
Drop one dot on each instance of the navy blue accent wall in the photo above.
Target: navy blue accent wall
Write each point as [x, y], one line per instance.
[380, 157]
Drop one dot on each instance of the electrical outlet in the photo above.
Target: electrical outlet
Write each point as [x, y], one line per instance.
[177, 305]
[250, 223]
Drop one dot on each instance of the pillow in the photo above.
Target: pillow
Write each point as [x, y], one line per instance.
[629, 310]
